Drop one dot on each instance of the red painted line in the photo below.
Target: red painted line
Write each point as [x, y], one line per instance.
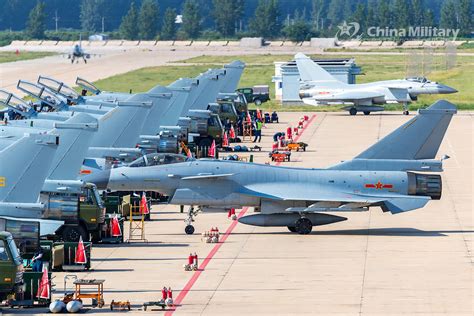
[182, 295]
[204, 264]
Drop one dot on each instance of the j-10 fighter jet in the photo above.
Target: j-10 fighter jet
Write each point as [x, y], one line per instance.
[386, 175]
[318, 87]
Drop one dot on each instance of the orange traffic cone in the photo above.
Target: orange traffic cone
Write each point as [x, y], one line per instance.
[116, 231]
[43, 288]
[232, 132]
[144, 205]
[80, 253]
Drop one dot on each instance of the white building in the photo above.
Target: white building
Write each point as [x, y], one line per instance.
[287, 77]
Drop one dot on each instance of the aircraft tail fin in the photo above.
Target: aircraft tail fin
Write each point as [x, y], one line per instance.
[76, 135]
[24, 166]
[310, 71]
[419, 138]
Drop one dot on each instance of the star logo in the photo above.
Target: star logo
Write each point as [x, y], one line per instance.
[378, 186]
[349, 29]
[345, 29]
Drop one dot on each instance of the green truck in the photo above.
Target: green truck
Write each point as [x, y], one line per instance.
[225, 110]
[76, 203]
[11, 266]
[238, 100]
[257, 94]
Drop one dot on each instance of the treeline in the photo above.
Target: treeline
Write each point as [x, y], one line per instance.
[214, 19]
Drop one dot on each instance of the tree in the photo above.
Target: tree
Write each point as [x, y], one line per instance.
[448, 15]
[428, 18]
[90, 14]
[317, 12]
[129, 26]
[384, 16]
[168, 30]
[360, 15]
[148, 20]
[36, 21]
[191, 19]
[336, 11]
[299, 30]
[417, 16]
[402, 18]
[465, 16]
[266, 22]
[226, 14]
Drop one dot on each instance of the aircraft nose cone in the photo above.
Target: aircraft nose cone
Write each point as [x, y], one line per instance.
[99, 178]
[446, 89]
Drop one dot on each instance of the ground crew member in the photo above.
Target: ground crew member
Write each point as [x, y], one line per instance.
[164, 293]
[37, 260]
[258, 131]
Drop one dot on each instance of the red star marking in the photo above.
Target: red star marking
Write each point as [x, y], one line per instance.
[378, 185]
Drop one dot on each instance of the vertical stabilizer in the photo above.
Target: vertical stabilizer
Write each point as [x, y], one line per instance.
[24, 166]
[419, 138]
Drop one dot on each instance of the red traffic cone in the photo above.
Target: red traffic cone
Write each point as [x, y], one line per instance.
[232, 132]
[195, 259]
[190, 259]
[212, 150]
[116, 231]
[80, 253]
[43, 288]
[170, 293]
[164, 293]
[225, 140]
[144, 205]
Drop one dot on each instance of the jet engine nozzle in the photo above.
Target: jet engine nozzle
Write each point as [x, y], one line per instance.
[304, 94]
[425, 185]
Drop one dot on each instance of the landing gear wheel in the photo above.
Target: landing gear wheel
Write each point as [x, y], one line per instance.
[303, 226]
[292, 229]
[366, 112]
[406, 112]
[189, 229]
[353, 111]
[72, 233]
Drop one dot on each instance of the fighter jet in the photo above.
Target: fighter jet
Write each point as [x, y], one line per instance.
[319, 87]
[386, 175]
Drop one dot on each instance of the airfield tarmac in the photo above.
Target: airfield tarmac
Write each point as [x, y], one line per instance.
[419, 262]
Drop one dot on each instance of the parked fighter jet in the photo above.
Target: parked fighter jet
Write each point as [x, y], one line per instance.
[320, 87]
[384, 175]
[22, 177]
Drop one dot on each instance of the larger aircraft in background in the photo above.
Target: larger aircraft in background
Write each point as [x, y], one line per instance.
[318, 87]
[385, 175]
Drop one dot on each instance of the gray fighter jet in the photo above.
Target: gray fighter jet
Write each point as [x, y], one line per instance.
[386, 175]
[318, 87]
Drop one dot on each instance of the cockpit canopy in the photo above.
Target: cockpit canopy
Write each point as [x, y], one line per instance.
[418, 79]
[156, 159]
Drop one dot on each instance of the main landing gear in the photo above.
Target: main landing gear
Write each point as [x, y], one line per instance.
[302, 226]
[405, 109]
[189, 229]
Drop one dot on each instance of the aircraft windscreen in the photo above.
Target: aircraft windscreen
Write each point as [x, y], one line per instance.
[8, 99]
[156, 159]
[417, 79]
[58, 87]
